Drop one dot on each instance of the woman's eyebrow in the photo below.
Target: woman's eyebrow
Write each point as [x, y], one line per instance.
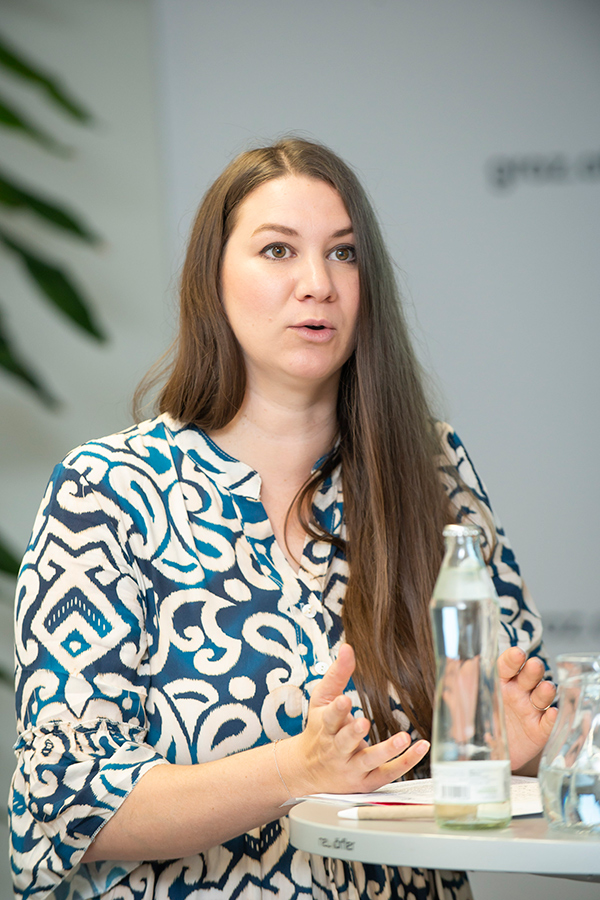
[291, 232]
[270, 226]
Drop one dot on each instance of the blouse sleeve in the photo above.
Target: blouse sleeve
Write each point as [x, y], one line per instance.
[520, 621]
[80, 687]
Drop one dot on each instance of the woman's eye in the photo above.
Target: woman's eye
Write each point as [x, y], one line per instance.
[276, 251]
[343, 254]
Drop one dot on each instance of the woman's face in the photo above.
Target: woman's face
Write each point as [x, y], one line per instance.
[289, 283]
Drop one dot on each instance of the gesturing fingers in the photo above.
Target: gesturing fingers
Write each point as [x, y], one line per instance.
[526, 675]
[351, 738]
[337, 714]
[542, 696]
[335, 754]
[336, 678]
[527, 704]
[510, 663]
[531, 674]
[390, 760]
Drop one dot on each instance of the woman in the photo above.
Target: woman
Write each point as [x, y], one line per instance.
[212, 599]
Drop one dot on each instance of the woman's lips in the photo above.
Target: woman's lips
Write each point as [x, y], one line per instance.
[315, 330]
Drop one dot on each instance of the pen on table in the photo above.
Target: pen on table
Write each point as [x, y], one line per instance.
[388, 811]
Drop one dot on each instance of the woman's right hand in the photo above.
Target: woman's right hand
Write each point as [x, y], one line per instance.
[175, 811]
[331, 755]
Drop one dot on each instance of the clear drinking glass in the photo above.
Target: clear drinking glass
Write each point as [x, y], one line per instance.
[569, 774]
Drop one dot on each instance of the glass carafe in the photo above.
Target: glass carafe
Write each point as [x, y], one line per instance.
[569, 773]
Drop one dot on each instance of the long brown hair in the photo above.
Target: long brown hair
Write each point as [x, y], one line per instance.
[394, 504]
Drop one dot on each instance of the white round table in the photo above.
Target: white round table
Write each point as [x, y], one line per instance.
[527, 845]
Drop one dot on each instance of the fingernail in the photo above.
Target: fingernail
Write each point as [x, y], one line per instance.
[401, 741]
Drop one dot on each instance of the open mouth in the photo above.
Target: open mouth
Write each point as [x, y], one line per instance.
[318, 332]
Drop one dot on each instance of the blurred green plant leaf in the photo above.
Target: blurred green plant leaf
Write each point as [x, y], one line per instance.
[56, 286]
[15, 196]
[10, 117]
[12, 60]
[9, 563]
[12, 362]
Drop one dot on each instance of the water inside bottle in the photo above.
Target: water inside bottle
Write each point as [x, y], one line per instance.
[469, 754]
[473, 815]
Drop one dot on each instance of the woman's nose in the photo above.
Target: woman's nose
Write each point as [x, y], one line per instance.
[314, 281]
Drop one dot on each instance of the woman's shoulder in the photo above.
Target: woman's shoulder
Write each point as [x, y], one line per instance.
[451, 446]
[144, 446]
[454, 460]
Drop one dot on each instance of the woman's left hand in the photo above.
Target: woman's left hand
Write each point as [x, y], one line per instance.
[527, 698]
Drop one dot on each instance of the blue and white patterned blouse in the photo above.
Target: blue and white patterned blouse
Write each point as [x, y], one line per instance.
[158, 622]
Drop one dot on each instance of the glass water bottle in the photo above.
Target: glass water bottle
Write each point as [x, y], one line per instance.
[469, 752]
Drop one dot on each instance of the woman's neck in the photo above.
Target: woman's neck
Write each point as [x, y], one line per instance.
[281, 440]
[283, 434]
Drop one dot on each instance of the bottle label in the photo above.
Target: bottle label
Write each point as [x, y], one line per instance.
[471, 781]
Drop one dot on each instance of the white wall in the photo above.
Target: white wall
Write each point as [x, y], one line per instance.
[103, 51]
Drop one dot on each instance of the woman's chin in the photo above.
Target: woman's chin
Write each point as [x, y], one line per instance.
[312, 380]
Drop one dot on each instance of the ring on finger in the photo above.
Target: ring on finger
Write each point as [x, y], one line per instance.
[540, 708]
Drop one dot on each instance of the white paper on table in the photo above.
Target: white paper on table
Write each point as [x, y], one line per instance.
[524, 795]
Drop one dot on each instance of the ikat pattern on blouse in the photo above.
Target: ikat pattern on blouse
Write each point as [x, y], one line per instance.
[157, 622]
